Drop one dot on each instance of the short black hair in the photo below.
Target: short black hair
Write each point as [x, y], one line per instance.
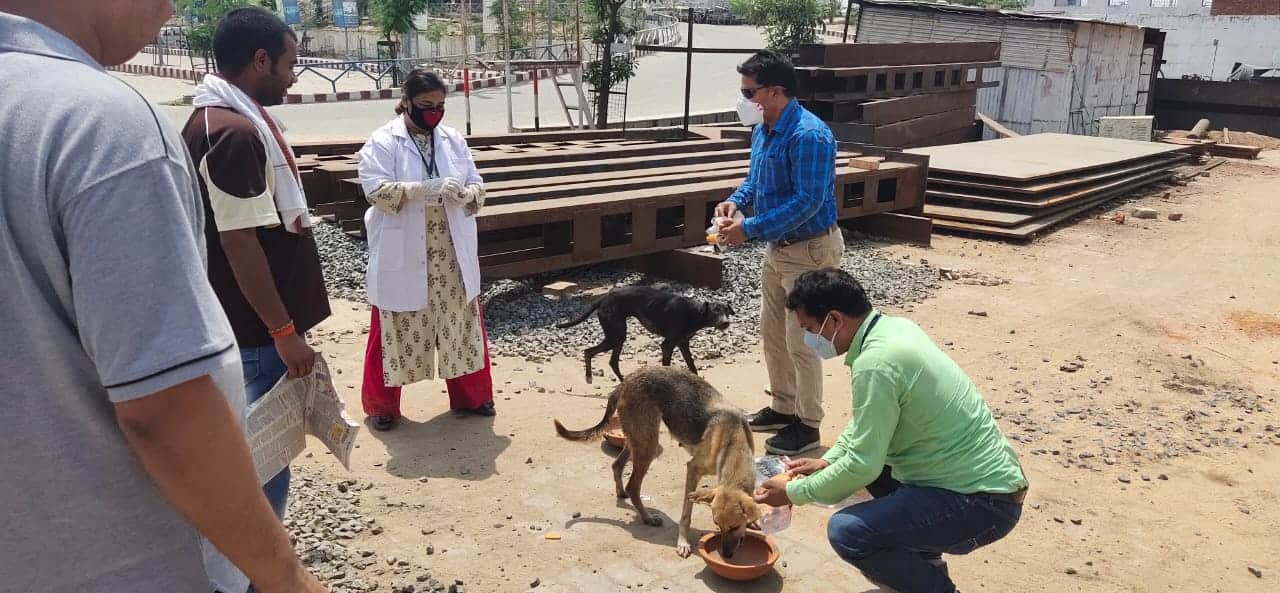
[770, 69]
[819, 292]
[418, 81]
[244, 31]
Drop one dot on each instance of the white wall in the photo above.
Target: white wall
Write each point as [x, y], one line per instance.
[1196, 44]
[1099, 8]
[1208, 46]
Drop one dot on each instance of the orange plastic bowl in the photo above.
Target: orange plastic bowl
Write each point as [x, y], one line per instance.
[614, 435]
[754, 558]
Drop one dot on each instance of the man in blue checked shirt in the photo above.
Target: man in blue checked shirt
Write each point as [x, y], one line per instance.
[790, 196]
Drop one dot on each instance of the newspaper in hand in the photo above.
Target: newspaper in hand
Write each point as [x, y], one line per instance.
[278, 422]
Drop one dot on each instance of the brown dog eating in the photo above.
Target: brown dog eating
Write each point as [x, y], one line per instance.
[714, 433]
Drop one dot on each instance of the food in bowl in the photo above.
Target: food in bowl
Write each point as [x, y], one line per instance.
[753, 559]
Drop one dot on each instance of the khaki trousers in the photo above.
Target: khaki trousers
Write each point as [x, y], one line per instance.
[795, 372]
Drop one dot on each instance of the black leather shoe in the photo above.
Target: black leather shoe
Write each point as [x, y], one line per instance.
[768, 419]
[484, 410]
[793, 440]
[382, 423]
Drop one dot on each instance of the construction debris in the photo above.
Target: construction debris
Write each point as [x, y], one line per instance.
[1222, 149]
[1199, 130]
[1018, 187]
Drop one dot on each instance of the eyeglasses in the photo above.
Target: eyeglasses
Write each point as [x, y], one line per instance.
[751, 92]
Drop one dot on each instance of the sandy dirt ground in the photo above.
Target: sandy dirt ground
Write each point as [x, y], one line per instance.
[1136, 366]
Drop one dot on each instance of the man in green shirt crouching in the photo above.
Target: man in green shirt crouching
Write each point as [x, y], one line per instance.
[922, 441]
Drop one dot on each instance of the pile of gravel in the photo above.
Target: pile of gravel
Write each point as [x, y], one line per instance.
[520, 321]
[344, 260]
[324, 516]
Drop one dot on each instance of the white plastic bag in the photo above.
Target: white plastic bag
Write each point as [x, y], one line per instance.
[772, 519]
[713, 231]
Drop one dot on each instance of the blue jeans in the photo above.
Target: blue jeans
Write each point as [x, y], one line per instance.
[897, 538]
[262, 369]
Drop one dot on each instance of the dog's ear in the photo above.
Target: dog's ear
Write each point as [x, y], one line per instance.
[703, 495]
[750, 510]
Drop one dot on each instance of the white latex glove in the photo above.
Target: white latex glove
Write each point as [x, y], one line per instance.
[471, 197]
[434, 190]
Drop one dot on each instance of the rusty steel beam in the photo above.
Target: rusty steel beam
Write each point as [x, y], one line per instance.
[896, 54]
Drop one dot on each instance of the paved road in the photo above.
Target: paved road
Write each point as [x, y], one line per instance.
[657, 90]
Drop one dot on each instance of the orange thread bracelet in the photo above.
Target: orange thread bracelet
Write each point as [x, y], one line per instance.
[286, 330]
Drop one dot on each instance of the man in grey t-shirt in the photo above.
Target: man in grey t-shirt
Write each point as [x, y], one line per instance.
[120, 389]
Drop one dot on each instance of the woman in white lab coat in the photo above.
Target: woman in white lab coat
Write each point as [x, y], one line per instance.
[424, 270]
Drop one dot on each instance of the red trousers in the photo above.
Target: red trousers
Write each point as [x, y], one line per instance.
[465, 393]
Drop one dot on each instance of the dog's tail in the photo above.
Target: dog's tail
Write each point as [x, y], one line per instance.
[582, 317]
[594, 431]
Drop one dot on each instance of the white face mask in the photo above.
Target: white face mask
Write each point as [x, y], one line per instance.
[823, 347]
[750, 113]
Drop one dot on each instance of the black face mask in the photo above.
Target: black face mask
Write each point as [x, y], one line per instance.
[426, 119]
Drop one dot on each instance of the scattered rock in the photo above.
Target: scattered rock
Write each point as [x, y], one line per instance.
[1077, 521]
[1255, 571]
[978, 313]
[520, 321]
[1175, 216]
[1071, 366]
[1070, 570]
[535, 583]
[1145, 213]
[1163, 477]
[1124, 479]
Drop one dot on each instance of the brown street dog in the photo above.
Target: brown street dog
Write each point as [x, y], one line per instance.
[715, 434]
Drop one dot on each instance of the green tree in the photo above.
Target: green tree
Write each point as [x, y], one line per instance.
[609, 70]
[394, 18]
[436, 32]
[518, 12]
[203, 17]
[787, 24]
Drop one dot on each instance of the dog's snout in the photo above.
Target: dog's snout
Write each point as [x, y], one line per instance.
[729, 545]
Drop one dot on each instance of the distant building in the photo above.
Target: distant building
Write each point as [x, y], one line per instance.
[1057, 74]
[1204, 37]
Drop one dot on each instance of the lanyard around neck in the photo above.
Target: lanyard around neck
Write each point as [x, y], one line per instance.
[432, 170]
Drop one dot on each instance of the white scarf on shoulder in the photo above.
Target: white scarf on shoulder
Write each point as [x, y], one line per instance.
[215, 91]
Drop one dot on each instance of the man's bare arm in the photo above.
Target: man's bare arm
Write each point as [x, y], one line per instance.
[253, 275]
[193, 448]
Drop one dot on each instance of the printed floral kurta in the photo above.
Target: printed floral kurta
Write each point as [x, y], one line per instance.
[449, 327]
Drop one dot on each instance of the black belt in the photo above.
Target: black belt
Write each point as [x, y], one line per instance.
[1013, 497]
[790, 242]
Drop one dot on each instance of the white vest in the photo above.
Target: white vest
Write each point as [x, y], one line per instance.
[397, 276]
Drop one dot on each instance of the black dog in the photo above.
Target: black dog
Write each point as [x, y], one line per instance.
[674, 317]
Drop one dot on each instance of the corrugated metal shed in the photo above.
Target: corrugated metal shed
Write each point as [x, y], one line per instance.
[1058, 75]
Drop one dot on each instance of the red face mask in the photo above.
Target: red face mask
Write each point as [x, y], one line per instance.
[426, 119]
